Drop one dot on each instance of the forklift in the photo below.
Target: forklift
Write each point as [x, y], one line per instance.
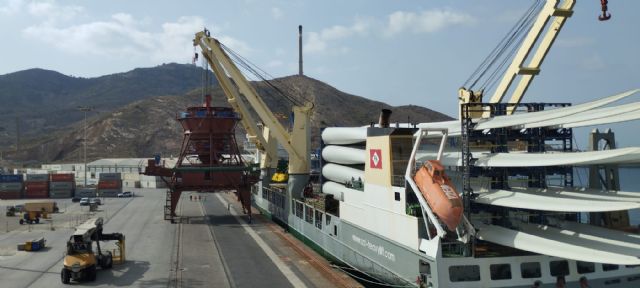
[11, 211]
[32, 217]
[81, 261]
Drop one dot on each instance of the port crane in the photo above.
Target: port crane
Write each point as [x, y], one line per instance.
[244, 99]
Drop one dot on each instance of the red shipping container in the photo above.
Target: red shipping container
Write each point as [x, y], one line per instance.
[62, 177]
[36, 194]
[109, 184]
[36, 185]
[10, 195]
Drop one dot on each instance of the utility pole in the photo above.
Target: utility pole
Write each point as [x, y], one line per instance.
[85, 109]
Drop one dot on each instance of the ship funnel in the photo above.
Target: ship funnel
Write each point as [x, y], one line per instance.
[385, 114]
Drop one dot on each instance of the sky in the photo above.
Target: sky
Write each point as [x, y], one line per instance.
[400, 52]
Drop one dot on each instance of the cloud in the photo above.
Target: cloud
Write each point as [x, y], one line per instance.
[51, 12]
[124, 36]
[276, 13]
[11, 7]
[428, 21]
[318, 42]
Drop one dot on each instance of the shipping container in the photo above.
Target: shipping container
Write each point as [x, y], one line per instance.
[110, 176]
[61, 185]
[8, 178]
[11, 186]
[67, 177]
[61, 194]
[109, 192]
[37, 177]
[86, 192]
[36, 194]
[109, 184]
[10, 195]
[36, 185]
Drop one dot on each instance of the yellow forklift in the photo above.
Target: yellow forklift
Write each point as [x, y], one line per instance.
[32, 217]
[81, 261]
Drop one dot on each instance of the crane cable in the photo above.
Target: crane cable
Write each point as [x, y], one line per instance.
[493, 78]
[514, 36]
[258, 72]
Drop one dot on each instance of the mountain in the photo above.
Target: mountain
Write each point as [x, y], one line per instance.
[42, 101]
[146, 127]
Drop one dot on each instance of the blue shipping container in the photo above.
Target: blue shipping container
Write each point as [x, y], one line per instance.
[10, 178]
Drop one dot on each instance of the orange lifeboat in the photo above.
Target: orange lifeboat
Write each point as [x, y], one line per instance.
[437, 189]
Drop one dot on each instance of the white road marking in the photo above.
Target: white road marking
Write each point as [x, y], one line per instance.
[292, 277]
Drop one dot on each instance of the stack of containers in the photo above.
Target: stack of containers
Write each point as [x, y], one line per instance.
[11, 186]
[109, 185]
[36, 186]
[86, 192]
[61, 185]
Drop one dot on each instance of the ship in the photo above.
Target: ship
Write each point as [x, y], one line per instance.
[373, 218]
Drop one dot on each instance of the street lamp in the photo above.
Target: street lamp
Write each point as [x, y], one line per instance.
[85, 109]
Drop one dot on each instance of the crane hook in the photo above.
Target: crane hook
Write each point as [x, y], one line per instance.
[605, 16]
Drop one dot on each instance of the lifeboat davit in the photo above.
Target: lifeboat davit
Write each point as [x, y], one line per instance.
[437, 189]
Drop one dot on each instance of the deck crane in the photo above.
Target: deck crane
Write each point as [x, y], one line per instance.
[242, 96]
[526, 62]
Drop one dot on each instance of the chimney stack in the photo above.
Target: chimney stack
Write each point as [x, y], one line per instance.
[385, 115]
[300, 50]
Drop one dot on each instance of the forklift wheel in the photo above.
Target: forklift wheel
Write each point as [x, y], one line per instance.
[65, 275]
[91, 273]
[108, 261]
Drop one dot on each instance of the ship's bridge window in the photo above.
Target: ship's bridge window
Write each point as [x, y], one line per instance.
[586, 267]
[500, 271]
[559, 268]
[609, 267]
[464, 273]
[530, 270]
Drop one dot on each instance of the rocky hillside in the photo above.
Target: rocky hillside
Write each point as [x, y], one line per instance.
[42, 101]
[146, 127]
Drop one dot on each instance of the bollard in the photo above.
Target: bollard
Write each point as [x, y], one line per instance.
[7, 226]
[51, 226]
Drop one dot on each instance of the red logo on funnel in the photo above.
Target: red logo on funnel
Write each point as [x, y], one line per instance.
[375, 158]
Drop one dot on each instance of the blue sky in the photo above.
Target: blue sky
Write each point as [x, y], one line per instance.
[399, 52]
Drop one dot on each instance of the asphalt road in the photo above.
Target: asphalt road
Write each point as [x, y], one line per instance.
[213, 246]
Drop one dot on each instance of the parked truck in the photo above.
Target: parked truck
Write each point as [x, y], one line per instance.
[48, 206]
